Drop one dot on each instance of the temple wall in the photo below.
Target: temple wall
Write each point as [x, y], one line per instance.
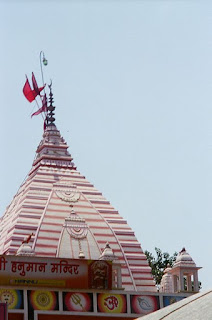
[57, 304]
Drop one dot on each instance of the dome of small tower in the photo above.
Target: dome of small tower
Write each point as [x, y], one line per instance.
[107, 254]
[25, 250]
[184, 259]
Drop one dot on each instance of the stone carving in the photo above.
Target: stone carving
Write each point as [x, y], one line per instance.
[99, 274]
[67, 192]
[76, 226]
[77, 229]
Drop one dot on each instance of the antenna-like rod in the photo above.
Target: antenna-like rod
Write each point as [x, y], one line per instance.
[45, 62]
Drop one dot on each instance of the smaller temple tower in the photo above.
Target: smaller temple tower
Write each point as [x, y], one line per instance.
[182, 277]
[108, 255]
[166, 284]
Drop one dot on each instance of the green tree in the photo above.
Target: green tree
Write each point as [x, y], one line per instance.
[159, 263]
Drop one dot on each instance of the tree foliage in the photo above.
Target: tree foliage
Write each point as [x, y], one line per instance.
[159, 263]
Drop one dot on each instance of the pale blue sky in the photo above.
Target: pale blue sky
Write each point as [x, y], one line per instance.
[132, 83]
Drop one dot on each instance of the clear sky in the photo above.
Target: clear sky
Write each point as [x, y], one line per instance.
[132, 83]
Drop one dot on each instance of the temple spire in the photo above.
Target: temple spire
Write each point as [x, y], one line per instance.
[50, 109]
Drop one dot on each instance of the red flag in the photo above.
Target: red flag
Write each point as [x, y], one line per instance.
[43, 108]
[28, 92]
[35, 86]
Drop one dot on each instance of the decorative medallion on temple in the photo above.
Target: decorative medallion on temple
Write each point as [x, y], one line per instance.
[76, 226]
[67, 192]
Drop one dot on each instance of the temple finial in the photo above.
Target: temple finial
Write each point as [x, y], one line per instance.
[50, 109]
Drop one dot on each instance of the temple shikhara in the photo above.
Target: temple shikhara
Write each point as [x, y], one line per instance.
[66, 253]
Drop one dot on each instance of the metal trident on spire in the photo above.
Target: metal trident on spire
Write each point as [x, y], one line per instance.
[50, 109]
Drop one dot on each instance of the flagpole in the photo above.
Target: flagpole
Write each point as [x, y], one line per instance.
[39, 108]
[45, 62]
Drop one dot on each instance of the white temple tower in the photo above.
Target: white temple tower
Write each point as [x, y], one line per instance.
[182, 277]
[185, 273]
[68, 216]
